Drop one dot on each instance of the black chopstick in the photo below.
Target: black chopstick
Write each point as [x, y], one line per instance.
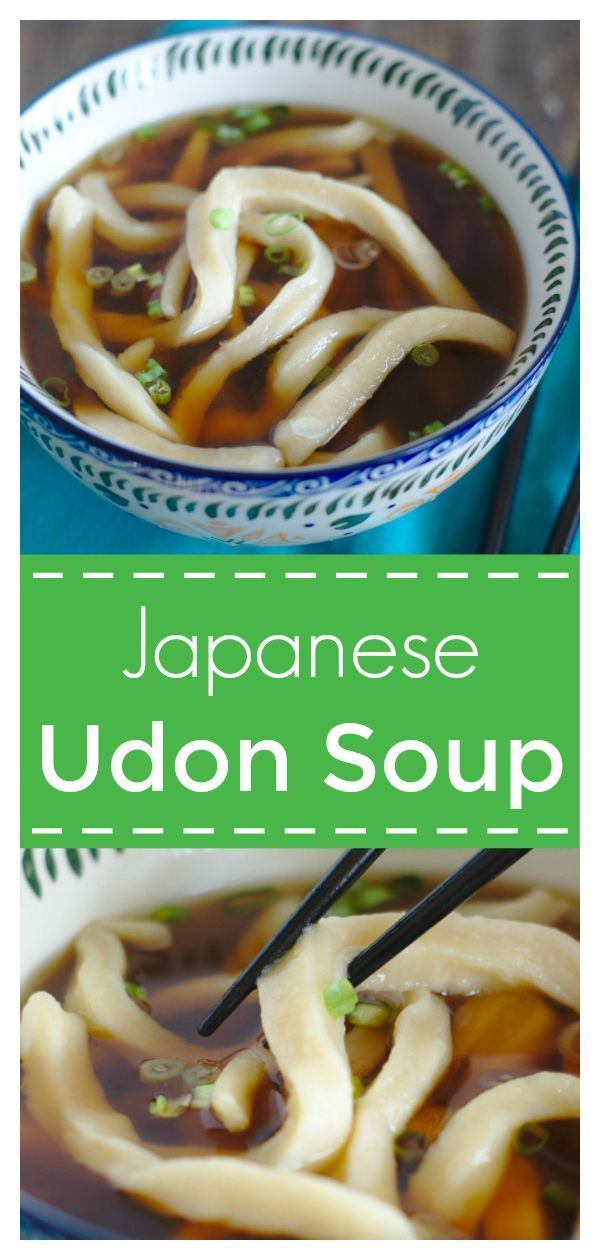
[468, 879]
[342, 875]
[506, 483]
[567, 521]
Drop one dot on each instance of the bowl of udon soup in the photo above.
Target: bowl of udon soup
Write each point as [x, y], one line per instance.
[439, 1100]
[281, 285]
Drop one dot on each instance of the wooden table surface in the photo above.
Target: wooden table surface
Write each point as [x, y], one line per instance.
[532, 66]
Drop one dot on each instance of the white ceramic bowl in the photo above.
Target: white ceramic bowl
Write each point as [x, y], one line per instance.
[306, 66]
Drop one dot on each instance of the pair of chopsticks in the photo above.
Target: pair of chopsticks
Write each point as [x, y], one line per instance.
[567, 519]
[452, 892]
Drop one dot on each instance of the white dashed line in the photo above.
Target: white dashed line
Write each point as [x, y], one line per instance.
[198, 831]
[98, 575]
[505, 574]
[205, 576]
[453, 575]
[397, 576]
[401, 831]
[553, 831]
[503, 831]
[248, 831]
[147, 831]
[46, 831]
[243, 576]
[96, 831]
[300, 574]
[553, 575]
[351, 831]
[451, 831]
[299, 831]
[346, 574]
[47, 575]
[154, 576]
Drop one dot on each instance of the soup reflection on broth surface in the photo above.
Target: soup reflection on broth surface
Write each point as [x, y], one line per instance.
[269, 287]
[441, 1100]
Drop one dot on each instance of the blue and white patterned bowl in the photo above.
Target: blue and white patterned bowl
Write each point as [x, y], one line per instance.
[200, 71]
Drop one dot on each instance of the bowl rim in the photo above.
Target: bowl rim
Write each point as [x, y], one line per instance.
[520, 389]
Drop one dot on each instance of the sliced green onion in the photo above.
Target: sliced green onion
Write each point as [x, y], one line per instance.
[410, 1146]
[57, 389]
[425, 355]
[358, 1088]
[152, 371]
[136, 991]
[97, 277]
[160, 393]
[148, 132]
[135, 269]
[372, 1013]
[530, 1139]
[434, 427]
[112, 153]
[283, 222]
[322, 375]
[123, 281]
[204, 1072]
[279, 111]
[413, 434]
[246, 295]
[157, 1071]
[291, 269]
[169, 914]
[340, 998]
[458, 175]
[486, 202]
[240, 112]
[275, 254]
[560, 1197]
[28, 272]
[155, 279]
[154, 308]
[226, 134]
[257, 121]
[201, 1096]
[169, 1108]
[221, 218]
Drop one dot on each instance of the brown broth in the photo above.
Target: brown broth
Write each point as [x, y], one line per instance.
[473, 237]
[208, 943]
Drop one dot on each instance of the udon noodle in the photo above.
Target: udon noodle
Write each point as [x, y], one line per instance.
[237, 291]
[424, 1113]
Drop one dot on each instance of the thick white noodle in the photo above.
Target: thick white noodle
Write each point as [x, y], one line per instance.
[462, 1168]
[254, 190]
[465, 954]
[421, 1052]
[237, 1085]
[536, 906]
[312, 348]
[71, 222]
[317, 417]
[113, 223]
[156, 195]
[296, 303]
[340, 138]
[97, 988]
[309, 1048]
[374, 442]
[259, 458]
[66, 1100]
[177, 271]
